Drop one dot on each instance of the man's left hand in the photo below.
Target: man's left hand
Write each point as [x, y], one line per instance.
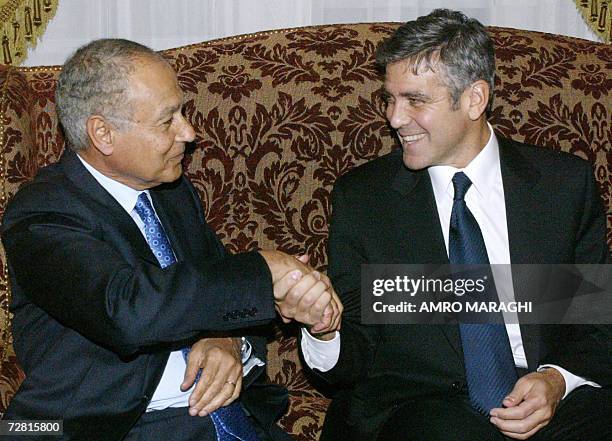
[221, 379]
[530, 405]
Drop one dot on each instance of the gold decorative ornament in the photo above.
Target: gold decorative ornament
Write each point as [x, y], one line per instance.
[598, 16]
[22, 24]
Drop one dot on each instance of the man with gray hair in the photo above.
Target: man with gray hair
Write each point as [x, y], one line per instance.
[457, 193]
[126, 305]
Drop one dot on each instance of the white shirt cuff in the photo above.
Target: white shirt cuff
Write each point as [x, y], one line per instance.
[571, 381]
[320, 354]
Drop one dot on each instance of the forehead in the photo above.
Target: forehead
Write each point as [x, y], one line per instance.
[405, 76]
[154, 84]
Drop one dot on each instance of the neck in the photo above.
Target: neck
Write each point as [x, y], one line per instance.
[474, 141]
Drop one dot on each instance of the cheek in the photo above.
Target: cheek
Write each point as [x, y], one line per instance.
[162, 145]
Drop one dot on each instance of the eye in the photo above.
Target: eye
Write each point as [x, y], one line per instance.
[414, 102]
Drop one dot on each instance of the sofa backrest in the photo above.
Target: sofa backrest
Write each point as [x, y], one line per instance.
[280, 115]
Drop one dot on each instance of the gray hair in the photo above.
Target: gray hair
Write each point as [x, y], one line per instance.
[458, 46]
[95, 81]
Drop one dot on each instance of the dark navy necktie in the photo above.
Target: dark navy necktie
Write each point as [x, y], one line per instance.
[231, 423]
[489, 364]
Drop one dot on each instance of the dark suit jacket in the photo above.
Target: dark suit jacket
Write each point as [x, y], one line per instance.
[385, 213]
[95, 315]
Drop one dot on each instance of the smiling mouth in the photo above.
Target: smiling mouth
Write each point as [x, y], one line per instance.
[411, 138]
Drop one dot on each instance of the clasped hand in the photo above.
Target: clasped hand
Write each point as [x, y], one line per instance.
[302, 293]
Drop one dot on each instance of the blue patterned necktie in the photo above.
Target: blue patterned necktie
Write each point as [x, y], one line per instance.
[154, 232]
[231, 423]
[489, 364]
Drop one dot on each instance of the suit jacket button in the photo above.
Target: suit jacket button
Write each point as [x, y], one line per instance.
[456, 386]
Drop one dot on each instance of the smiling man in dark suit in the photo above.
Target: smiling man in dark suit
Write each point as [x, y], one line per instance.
[457, 193]
[116, 276]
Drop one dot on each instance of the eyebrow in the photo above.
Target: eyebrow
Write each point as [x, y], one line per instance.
[409, 95]
[169, 110]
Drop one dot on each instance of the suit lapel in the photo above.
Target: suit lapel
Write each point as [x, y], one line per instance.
[85, 182]
[519, 179]
[420, 221]
[169, 219]
[418, 218]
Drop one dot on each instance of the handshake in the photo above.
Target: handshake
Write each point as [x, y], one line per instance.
[303, 294]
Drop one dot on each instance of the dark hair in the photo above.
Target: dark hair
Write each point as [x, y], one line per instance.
[95, 80]
[448, 41]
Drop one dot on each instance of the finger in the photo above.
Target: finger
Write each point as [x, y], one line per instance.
[325, 279]
[227, 393]
[312, 304]
[519, 392]
[236, 392]
[191, 372]
[327, 318]
[336, 308]
[340, 312]
[304, 258]
[228, 380]
[289, 304]
[285, 283]
[516, 402]
[523, 410]
[221, 396]
[203, 391]
[337, 317]
[337, 311]
[523, 435]
[520, 428]
[325, 325]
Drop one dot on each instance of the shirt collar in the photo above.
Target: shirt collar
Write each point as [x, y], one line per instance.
[126, 196]
[484, 171]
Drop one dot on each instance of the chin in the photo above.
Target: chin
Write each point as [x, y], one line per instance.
[415, 163]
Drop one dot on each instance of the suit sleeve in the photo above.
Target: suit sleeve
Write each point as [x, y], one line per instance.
[63, 263]
[358, 342]
[585, 350]
[257, 337]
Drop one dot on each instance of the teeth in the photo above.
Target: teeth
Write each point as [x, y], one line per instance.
[411, 138]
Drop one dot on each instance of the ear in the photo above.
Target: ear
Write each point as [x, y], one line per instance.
[478, 99]
[101, 134]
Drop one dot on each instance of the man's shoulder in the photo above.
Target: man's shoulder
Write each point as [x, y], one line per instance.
[50, 191]
[379, 171]
[545, 159]
[48, 184]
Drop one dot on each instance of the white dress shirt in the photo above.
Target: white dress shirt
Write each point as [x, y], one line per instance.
[168, 392]
[485, 199]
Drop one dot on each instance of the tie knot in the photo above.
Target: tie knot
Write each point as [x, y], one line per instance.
[461, 183]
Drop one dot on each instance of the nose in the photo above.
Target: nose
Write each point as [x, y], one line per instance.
[186, 133]
[398, 116]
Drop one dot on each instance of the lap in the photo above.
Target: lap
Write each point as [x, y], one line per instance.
[172, 423]
[585, 414]
[439, 419]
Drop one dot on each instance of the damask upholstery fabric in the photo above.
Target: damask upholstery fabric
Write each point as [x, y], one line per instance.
[280, 115]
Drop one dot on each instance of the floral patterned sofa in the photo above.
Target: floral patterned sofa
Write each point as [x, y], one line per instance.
[280, 115]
